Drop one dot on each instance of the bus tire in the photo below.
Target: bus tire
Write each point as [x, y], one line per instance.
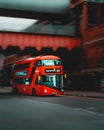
[15, 91]
[33, 92]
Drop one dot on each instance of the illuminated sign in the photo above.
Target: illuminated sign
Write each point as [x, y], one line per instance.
[21, 73]
[53, 70]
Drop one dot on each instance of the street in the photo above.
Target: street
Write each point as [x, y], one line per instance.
[23, 112]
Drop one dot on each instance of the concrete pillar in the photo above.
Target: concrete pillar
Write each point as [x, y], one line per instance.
[85, 18]
[1, 61]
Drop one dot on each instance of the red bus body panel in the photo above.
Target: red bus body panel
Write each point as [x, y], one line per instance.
[40, 70]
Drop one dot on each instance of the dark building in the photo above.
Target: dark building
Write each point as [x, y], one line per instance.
[88, 17]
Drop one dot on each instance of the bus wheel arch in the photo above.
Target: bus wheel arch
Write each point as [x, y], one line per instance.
[15, 91]
[33, 92]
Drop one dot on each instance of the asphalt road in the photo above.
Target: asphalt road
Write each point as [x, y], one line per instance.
[22, 112]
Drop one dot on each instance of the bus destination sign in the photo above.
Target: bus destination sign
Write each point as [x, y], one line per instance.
[53, 70]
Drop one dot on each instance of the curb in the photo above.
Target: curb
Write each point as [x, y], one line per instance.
[86, 94]
[67, 93]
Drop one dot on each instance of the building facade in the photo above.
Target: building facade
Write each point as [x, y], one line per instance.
[89, 18]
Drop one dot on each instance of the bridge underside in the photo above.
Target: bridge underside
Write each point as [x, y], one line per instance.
[37, 41]
[36, 9]
[34, 15]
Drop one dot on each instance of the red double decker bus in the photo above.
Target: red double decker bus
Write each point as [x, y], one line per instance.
[41, 75]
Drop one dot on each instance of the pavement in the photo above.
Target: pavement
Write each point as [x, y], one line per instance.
[66, 93]
[5, 90]
[85, 94]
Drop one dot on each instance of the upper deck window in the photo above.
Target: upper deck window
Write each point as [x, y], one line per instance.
[21, 73]
[48, 62]
[21, 66]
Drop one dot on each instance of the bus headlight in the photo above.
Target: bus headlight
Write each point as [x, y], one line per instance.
[62, 90]
[45, 90]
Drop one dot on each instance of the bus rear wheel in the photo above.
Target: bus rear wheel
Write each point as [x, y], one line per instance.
[33, 92]
[15, 91]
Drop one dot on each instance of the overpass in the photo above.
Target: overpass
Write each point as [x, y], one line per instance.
[36, 9]
[37, 40]
[39, 35]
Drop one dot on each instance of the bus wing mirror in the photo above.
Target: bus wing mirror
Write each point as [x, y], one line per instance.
[65, 76]
[39, 77]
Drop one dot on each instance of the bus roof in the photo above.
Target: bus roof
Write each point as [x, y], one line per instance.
[41, 57]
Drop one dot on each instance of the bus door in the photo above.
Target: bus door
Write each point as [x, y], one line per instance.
[52, 80]
[38, 86]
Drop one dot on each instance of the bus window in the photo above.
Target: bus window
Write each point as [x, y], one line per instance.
[21, 66]
[53, 81]
[22, 81]
[21, 73]
[37, 63]
[51, 62]
[47, 63]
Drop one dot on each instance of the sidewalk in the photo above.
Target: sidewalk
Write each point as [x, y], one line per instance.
[67, 93]
[85, 94]
[5, 89]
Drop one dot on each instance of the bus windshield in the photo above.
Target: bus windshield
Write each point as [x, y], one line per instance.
[53, 81]
[48, 62]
